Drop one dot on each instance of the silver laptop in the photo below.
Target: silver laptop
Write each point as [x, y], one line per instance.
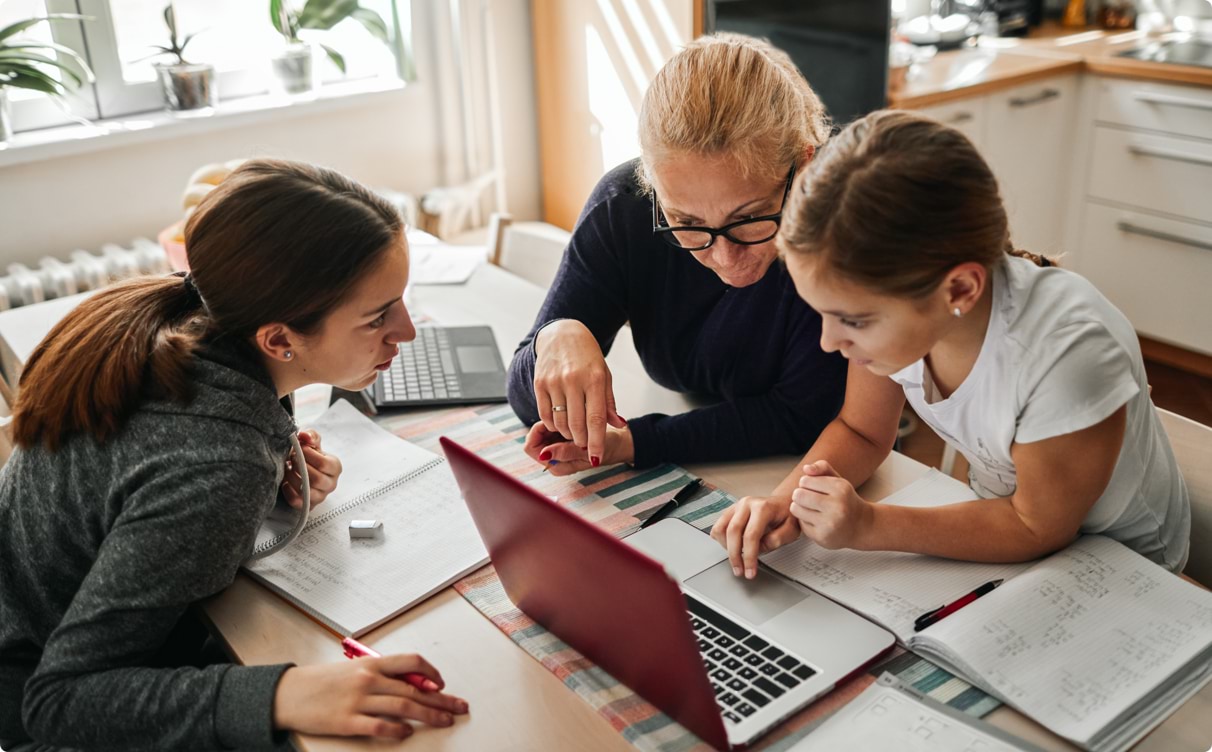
[662, 612]
[444, 365]
[770, 645]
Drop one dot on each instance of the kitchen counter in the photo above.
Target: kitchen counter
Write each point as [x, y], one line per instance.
[1003, 63]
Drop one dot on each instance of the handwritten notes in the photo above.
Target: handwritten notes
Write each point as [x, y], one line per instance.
[428, 541]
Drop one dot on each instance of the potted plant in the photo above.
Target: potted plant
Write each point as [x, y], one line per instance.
[189, 88]
[294, 68]
[27, 64]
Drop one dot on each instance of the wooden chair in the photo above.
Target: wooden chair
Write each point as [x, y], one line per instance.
[1192, 443]
[530, 250]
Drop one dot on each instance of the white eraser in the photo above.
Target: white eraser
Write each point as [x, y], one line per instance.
[365, 528]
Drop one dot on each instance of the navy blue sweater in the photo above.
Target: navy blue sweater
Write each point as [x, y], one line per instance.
[755, 351]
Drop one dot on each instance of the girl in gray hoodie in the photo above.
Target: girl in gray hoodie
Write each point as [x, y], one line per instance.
[153, 431]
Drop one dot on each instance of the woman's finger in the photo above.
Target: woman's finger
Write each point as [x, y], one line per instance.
[596, 411]
[393, 706]
[575, 415]
[542, 401]
[378, 726]
[537, 440]
[735, 532]
[751, 539]
[559, 418]
[324, 463]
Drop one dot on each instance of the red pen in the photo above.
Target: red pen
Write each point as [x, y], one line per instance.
[355, 649]
[930, 617]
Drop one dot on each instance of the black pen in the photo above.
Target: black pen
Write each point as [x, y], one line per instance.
[930, 617]
[688, 490]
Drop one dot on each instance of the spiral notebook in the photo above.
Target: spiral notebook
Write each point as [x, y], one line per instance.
[1094, 642]
[428, 540]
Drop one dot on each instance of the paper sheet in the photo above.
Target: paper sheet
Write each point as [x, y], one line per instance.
[442, 264]
[428, 538]
[885, 717]
[890, 587]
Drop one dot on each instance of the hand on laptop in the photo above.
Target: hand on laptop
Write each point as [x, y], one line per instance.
[753, 526]
[365, 697]
[322, 472]
[563, 457]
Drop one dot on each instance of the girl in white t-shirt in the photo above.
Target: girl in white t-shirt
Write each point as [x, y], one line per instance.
[897, 235]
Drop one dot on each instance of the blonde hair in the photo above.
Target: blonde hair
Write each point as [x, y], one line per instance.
[894, 202]
[733, 95]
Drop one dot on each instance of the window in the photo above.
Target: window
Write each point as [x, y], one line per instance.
[235, 36]
[32, 109]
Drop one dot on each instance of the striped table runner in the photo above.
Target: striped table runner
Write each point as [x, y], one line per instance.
[612, 498]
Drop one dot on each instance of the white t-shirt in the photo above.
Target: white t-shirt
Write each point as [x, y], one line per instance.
[1058, 358]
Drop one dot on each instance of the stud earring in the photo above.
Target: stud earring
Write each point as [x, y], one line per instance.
[956, 312]
[288, 354]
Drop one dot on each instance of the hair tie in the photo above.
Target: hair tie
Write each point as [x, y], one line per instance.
[187, 281]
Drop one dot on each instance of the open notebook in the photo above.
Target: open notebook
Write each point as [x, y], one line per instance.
[428, 539]
[1094, 642]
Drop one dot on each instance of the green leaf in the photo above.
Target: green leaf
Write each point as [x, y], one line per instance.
[373, 23]
[335, 57]
[170, 20]
[21, 26]
[31, 78]
[61, 49]
[325, 14]
[33, 57]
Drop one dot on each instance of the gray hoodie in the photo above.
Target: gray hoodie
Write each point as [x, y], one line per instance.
[105, 546]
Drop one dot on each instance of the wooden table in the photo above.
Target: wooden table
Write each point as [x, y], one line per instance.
[516, 704]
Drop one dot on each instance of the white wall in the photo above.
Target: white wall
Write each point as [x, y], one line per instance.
[397, 141]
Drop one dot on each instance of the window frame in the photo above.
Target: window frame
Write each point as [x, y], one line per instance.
[111, 96]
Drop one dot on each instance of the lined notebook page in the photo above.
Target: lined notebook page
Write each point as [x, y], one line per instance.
[370, 458]
[1079, 638]
[890, 587]
[428, 538]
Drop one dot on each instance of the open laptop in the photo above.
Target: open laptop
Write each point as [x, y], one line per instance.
[444, 365]
[662, 612]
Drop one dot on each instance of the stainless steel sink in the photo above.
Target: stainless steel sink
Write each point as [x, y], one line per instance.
[1194, 51]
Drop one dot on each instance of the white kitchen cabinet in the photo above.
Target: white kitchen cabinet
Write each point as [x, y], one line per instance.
[1155, 269]
[1025, 134]
[1029, 144]
[966, 115]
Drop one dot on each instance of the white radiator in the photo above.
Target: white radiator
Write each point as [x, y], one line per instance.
[56, 278]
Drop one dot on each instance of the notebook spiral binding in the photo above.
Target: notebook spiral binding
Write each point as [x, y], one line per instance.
[355, 501]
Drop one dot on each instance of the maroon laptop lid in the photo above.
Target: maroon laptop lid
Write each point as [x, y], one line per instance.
[612, 603]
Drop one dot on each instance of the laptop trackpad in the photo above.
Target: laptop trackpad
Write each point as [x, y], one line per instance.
[757, 600]
[477, 359]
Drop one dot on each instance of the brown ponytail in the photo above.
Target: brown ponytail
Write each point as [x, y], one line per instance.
[276, 242]
[894, 202]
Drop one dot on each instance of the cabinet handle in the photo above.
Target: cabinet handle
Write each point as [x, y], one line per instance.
[1177, 156]
[1149, 232]
[1150, 98]
[1043, 96]
[959, 117]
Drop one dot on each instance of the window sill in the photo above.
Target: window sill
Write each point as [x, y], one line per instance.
[50, 143]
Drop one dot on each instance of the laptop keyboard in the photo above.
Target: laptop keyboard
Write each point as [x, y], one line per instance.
[424, 369]
[746, 671]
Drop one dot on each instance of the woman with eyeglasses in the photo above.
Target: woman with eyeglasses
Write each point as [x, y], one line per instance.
[679, 244]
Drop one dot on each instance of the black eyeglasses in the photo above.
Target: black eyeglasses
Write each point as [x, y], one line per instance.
[752, 231]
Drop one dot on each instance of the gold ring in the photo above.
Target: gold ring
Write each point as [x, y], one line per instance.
[558, 408]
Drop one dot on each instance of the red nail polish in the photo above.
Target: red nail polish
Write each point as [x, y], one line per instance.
[544, 455]
[623, 419]
[595, 461]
